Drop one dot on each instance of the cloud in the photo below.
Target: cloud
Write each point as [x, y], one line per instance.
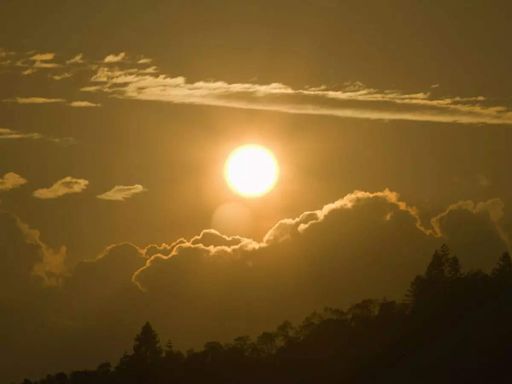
[78, 59]
[10, 181]
[35, 100]
[45, 65]
[136, 81]
[42, 60]
[62, 76]
[83, 104]
[28, 71]
[45, 100]
[354, 100]
[111, 269]
[43, 56]
[362, 245]
[10, 134]
[30, 64]
[62, 187]
[284, 229]
[122, 192]
[461, 224]
[51, 264]
[214, 286]
[18, 258]
[26, 257]
[31, 272]
[336, 238]
[113, 58]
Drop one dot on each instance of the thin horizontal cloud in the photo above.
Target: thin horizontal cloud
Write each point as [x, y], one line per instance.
[34, 100]
[10, 134]
[46, 100]
[122, 192]
[45, 65]
[354, 100]
[144, 60]
[43, 56]
[10, 181]
[62, 187]
[83, 104]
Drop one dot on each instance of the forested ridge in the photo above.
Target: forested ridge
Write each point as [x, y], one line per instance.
[451, 327]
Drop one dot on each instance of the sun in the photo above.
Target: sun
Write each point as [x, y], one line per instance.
[251, 170]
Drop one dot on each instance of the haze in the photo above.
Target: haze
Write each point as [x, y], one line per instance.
[391, 123]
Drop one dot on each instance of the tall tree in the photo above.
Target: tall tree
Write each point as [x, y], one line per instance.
[147, 345]
[143, 365]
[503, 269]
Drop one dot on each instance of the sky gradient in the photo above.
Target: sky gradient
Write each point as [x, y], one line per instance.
[391, 123]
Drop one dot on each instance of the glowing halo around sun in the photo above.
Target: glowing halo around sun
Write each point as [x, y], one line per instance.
[251, 170]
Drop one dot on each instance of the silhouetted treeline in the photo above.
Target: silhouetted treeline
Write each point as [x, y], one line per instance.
[453, 327]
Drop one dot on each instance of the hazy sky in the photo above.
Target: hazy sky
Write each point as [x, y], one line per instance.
[116, 118]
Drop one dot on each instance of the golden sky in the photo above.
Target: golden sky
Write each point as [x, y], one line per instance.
[391, 123]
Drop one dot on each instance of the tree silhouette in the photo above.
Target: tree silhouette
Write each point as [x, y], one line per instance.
[147, 345]
[453, 327]
[143, 364]
[503, 269]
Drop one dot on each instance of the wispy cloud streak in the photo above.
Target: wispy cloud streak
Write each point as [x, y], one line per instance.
[10, 134]
[34, 100]
[135, 77]
[354, 100]
[83, 104]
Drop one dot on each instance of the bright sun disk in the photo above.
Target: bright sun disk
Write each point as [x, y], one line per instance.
[251, 170]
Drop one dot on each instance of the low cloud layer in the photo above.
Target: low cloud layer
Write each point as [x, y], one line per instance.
[65, 186]
[363, 236]
[10, 181]
[122, 192]
[215, 287]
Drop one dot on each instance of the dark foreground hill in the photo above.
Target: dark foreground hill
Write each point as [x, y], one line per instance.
[453, 327]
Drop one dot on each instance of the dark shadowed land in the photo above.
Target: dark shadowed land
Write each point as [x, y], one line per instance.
[452, 327]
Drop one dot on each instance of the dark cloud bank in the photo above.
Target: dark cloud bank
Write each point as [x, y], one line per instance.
[217, 287]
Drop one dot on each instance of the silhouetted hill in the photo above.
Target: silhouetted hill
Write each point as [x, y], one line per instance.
[453, 327]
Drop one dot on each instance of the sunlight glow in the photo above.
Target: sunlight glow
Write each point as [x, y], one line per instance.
[251, 170]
